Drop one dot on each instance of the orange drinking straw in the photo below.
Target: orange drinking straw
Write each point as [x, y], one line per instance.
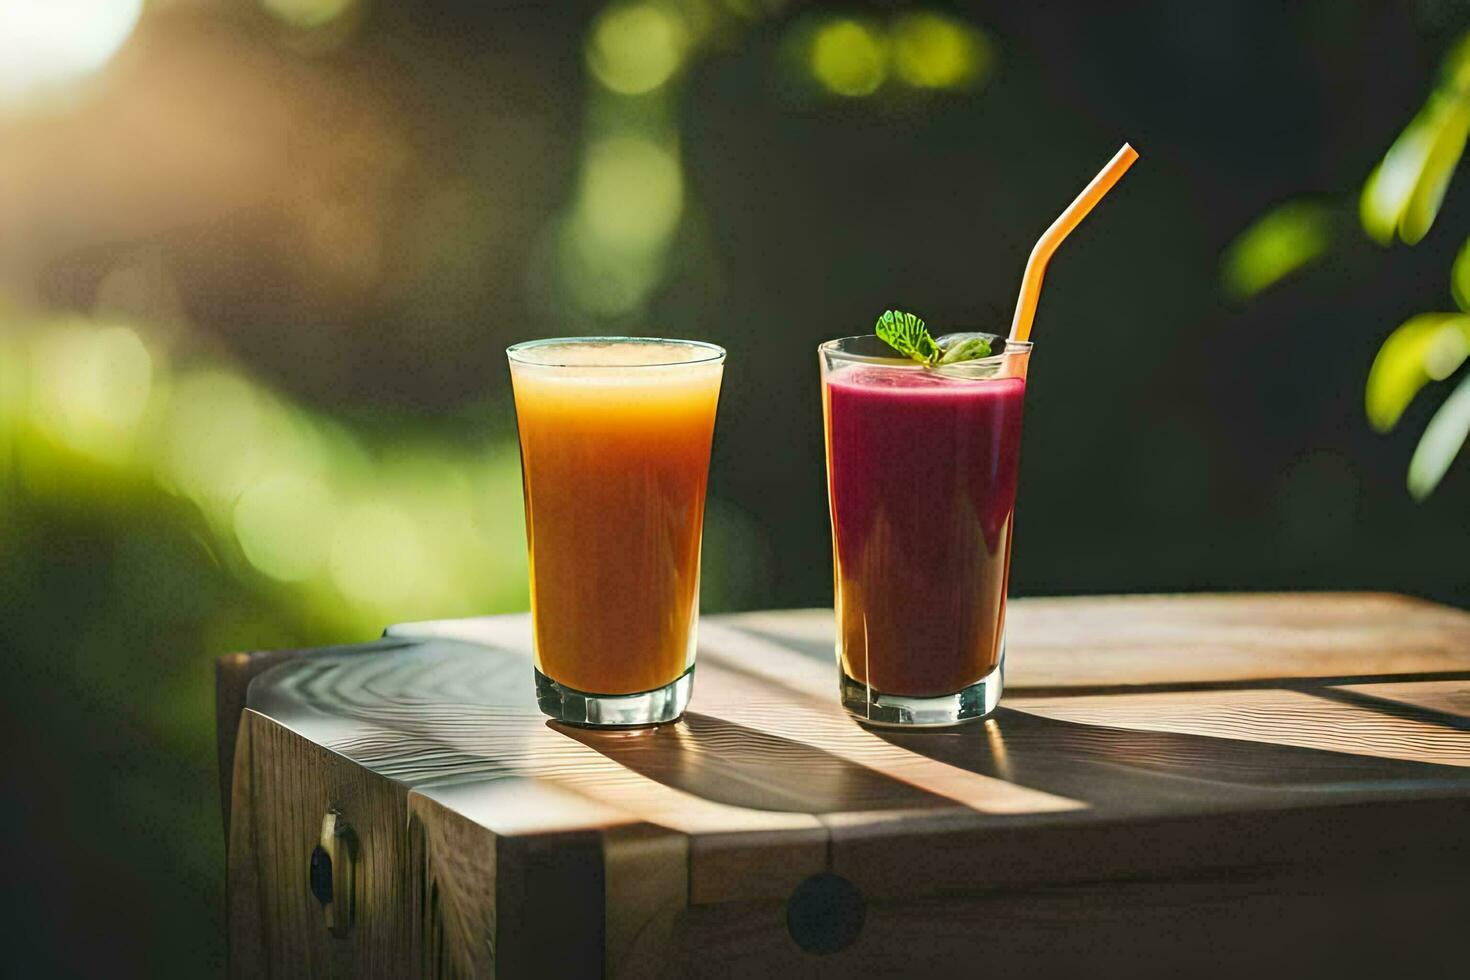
[1060, 229]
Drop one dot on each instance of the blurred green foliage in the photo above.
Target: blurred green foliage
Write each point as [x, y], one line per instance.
[1460, 277]
[1428, 347]
[912, 52]
[1443, 437]
[615, 243]
[338, 527]
[177, 508]
[1280, 242]
[1400, 200]
[1403, 194]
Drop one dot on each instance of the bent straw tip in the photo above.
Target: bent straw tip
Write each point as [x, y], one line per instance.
[1122, 159]
[1060, 229]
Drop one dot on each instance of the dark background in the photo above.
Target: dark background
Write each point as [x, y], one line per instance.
[257, 273]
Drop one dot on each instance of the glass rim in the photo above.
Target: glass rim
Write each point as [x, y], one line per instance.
[835, 349]
[710, 353]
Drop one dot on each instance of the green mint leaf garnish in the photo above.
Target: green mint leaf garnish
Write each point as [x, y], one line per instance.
[906, 334]
[968, 346]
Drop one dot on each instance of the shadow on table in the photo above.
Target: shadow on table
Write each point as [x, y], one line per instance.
[1114, 768]
[738, 766]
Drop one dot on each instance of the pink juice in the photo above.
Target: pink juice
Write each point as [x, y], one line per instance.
[922, 478]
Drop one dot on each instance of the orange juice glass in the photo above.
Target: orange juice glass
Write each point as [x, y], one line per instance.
[615, 444]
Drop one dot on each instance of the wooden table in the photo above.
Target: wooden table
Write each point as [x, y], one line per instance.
[1205, 784]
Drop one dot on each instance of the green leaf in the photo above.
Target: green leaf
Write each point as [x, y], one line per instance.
[1388, 188]
[1445, 151]
[1428, 347]
[1442, 440]
[1455, 69]
[907, 334]
[1404, 192]
[1277, 244]
[1460, 277]
[957, 347]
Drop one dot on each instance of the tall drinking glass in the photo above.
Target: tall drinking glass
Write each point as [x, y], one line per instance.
[921, 474]
[615, 444]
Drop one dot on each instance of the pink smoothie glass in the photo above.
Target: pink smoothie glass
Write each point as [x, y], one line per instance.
[921, 478]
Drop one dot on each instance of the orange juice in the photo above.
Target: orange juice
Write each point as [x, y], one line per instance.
[615, 444]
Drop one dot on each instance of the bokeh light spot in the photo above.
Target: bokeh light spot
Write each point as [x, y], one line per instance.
[632, 192]
[1316, 506]
[212, 419]
[223, 434]
[284, 526]
[307, 14]
[604, 281]
[91, 387]
[849, 58]
[934, 51]
[636, 48]
[44, 43]
[377, 555]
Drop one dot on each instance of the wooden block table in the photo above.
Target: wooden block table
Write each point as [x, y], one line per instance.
[1207, 785]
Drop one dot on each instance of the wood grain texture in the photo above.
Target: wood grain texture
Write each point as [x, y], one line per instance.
[1131, 641]
[1379, 917]
[1448, 699]
[232, 676]
[286, 784]
[1270, 922]
[1173, 739]
[249, 943]
[454, 867]
[1275, 717]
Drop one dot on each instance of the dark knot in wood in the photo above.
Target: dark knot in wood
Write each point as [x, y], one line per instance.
[825, 913]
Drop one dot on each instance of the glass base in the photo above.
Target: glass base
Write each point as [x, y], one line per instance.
[654, 707]
[903, 711]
